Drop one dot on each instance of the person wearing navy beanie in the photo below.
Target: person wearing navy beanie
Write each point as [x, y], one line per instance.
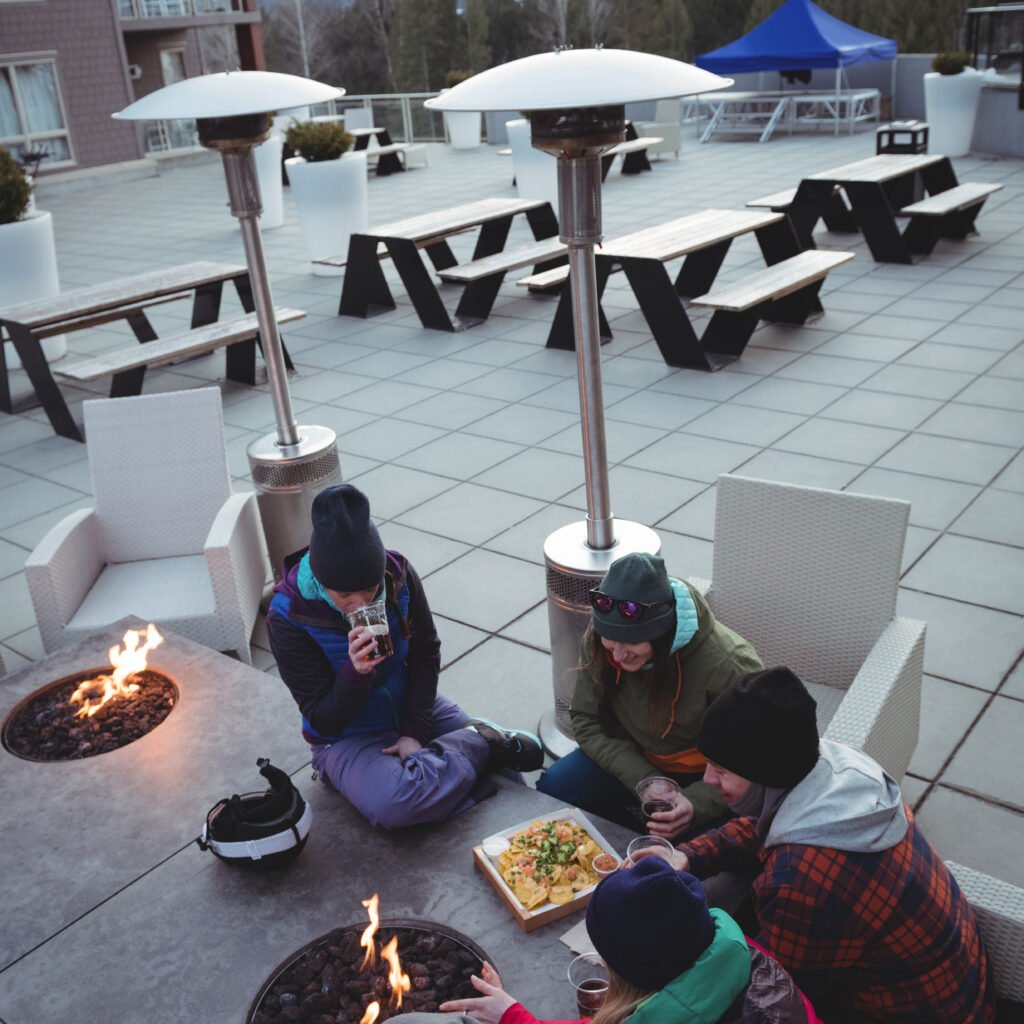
[670, 960]
[378, 730]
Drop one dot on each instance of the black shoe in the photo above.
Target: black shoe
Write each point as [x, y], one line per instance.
[520, 751]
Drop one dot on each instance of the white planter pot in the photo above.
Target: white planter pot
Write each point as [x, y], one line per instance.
[331, 199]
[28, 270]
[951, 106]
[536, 171]
[463, 128]
[268, 173]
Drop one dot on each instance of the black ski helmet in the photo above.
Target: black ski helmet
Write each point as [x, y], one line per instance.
[259, 830]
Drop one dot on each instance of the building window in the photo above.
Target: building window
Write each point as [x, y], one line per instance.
[31, 111]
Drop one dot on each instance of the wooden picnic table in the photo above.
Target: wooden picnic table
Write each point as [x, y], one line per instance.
[365, 288]
[873, 188]
[703, 239]
[28, 323]
[388, 161]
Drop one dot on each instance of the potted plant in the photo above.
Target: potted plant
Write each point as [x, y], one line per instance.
[28, 255]
[951, 93]
[330, 188]
[463, 126]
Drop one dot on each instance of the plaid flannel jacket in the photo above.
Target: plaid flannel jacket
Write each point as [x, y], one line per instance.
[888, 933]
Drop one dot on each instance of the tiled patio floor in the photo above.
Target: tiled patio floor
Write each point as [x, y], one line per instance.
[469, 444]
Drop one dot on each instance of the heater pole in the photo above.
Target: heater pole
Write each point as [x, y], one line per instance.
[244, 197]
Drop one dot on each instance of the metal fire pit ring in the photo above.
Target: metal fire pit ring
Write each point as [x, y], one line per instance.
[384, 925]
[70, 681]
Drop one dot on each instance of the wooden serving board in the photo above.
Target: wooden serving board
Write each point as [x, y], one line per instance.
[531, 920]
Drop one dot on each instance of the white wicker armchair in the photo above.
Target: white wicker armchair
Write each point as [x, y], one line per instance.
[810, 577]
[1000, 910]
[167, 540]
[666, 126]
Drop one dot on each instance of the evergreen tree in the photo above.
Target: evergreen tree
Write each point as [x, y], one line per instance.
[478, 47]
[508, 31]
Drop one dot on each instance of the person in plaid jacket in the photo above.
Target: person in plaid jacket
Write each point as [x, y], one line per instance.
[850, 897]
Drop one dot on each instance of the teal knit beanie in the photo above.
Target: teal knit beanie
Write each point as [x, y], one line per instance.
[642, 578]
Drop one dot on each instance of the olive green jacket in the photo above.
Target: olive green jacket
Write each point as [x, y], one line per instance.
[711, 657]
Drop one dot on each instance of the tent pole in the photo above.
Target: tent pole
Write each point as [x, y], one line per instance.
[839, 72]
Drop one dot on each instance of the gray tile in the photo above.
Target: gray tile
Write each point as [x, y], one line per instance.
[696, 518]
[920, 381]
[1011, 366]
[901, 327]
[945, 708]
[988, 762]
[451, 410]
[486, 590]
[972, 832]
[949, 357]
[470, 513]
[714, 387]
[640, 495]
[33, 497]
[996, 638]
[934, 503]
[900, 411]
[996, 516]
[507, 383]
[526, 539]
[531, 629]
[793, 396]
[624, 440]
[29, 532]
[385, 398]
[380, 439]
[917, 542]
[838, 440]
[807, 470]
[12, 558]
[426, 551]
[1012, 478]
[657, 409]
[523, 425]
[854, 345]
[747, 425]
[828, 369]
[1014, 685]
[393, 490]
[997, 339]
[1001, 392]
[456, 640]
[459, 455]
[693, 457]
[967, 461]
[977, 423]
[535, 473]
[977, 571]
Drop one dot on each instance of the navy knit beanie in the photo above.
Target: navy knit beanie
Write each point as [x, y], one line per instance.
[649, 922]
[642, 578]
[345, 549]
[763, 728]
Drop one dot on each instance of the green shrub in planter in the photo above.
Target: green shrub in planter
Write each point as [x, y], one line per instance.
[950, 63]
[454, 78]
[15, 189]
[318, 140]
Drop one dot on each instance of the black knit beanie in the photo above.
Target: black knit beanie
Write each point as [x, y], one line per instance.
[345, 549]
[638, 577]
[649, 922]
[763, 728]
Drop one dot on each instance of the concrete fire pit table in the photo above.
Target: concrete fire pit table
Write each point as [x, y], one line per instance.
[109, 911]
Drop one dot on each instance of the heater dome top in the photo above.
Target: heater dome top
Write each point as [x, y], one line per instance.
[569, 79]
[228, 94]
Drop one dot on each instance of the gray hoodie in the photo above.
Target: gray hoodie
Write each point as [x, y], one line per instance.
[847, 802]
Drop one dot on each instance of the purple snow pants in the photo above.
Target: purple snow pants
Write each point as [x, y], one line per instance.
[448, 776]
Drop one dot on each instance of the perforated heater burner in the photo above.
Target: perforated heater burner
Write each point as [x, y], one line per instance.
[44, 726]
[325, 980]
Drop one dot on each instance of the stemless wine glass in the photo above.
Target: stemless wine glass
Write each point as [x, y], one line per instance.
[647, 846]
[588, 976]
[657, 793]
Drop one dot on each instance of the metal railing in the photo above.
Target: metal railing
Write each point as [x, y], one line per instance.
[176, 8]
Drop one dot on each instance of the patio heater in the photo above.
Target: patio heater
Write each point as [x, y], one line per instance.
[233, 112]
[576, 103]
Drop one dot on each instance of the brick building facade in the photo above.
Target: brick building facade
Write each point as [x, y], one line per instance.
[67, 65]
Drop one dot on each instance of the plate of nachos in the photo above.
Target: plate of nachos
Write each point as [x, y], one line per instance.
[544, 865]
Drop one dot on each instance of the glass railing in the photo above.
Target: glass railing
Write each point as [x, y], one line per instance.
[175, 8]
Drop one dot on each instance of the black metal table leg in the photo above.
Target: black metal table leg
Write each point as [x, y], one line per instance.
[244, 288]
[700, 268]
[418, 283]
[491, 239]
[34, 363]
[877, 222]
[543, 222]
[635, 162]
[441, 255]
[726, 336]
[365, 286]
[5, 383]
[387, 163]
[562, 334]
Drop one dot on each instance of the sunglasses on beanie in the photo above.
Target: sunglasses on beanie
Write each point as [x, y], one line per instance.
[604, 603]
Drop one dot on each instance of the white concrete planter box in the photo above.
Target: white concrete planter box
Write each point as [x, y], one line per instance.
[28, 270]
[463, 128]
[268, 172]
[536, 171]
[951, 106]
[331, 199]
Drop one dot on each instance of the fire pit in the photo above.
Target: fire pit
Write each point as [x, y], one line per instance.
[343, 977]
[96, 711]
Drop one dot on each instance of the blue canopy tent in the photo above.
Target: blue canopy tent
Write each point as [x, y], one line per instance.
[799, 36]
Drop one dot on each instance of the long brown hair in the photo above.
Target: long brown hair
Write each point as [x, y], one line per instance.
[664, 675]
[621, 1001]
[390, 592]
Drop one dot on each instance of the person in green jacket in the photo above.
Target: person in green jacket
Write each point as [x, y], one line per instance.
[652, 660]
[670, 960]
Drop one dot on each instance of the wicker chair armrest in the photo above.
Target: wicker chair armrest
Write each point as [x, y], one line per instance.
[999, 907]
[881, 711]
[236, 554]
[61, 570]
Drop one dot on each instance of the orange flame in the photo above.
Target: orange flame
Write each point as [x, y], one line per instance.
[126, 663]
[372, 1013]
[366, 939]
[397, 978]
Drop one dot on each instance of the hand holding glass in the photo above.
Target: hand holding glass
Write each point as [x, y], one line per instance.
[669, 813]
[374, 617]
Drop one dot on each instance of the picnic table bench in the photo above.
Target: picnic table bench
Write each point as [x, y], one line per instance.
[28, 323]
[786, 292]
[633, 152]
[365, 288]
[873, 187]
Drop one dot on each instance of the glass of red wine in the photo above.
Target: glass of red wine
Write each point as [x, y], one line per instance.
[588, 976]
[657, 793]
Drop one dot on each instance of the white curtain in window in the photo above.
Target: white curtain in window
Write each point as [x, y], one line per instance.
[9, 124]
[38, 91]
